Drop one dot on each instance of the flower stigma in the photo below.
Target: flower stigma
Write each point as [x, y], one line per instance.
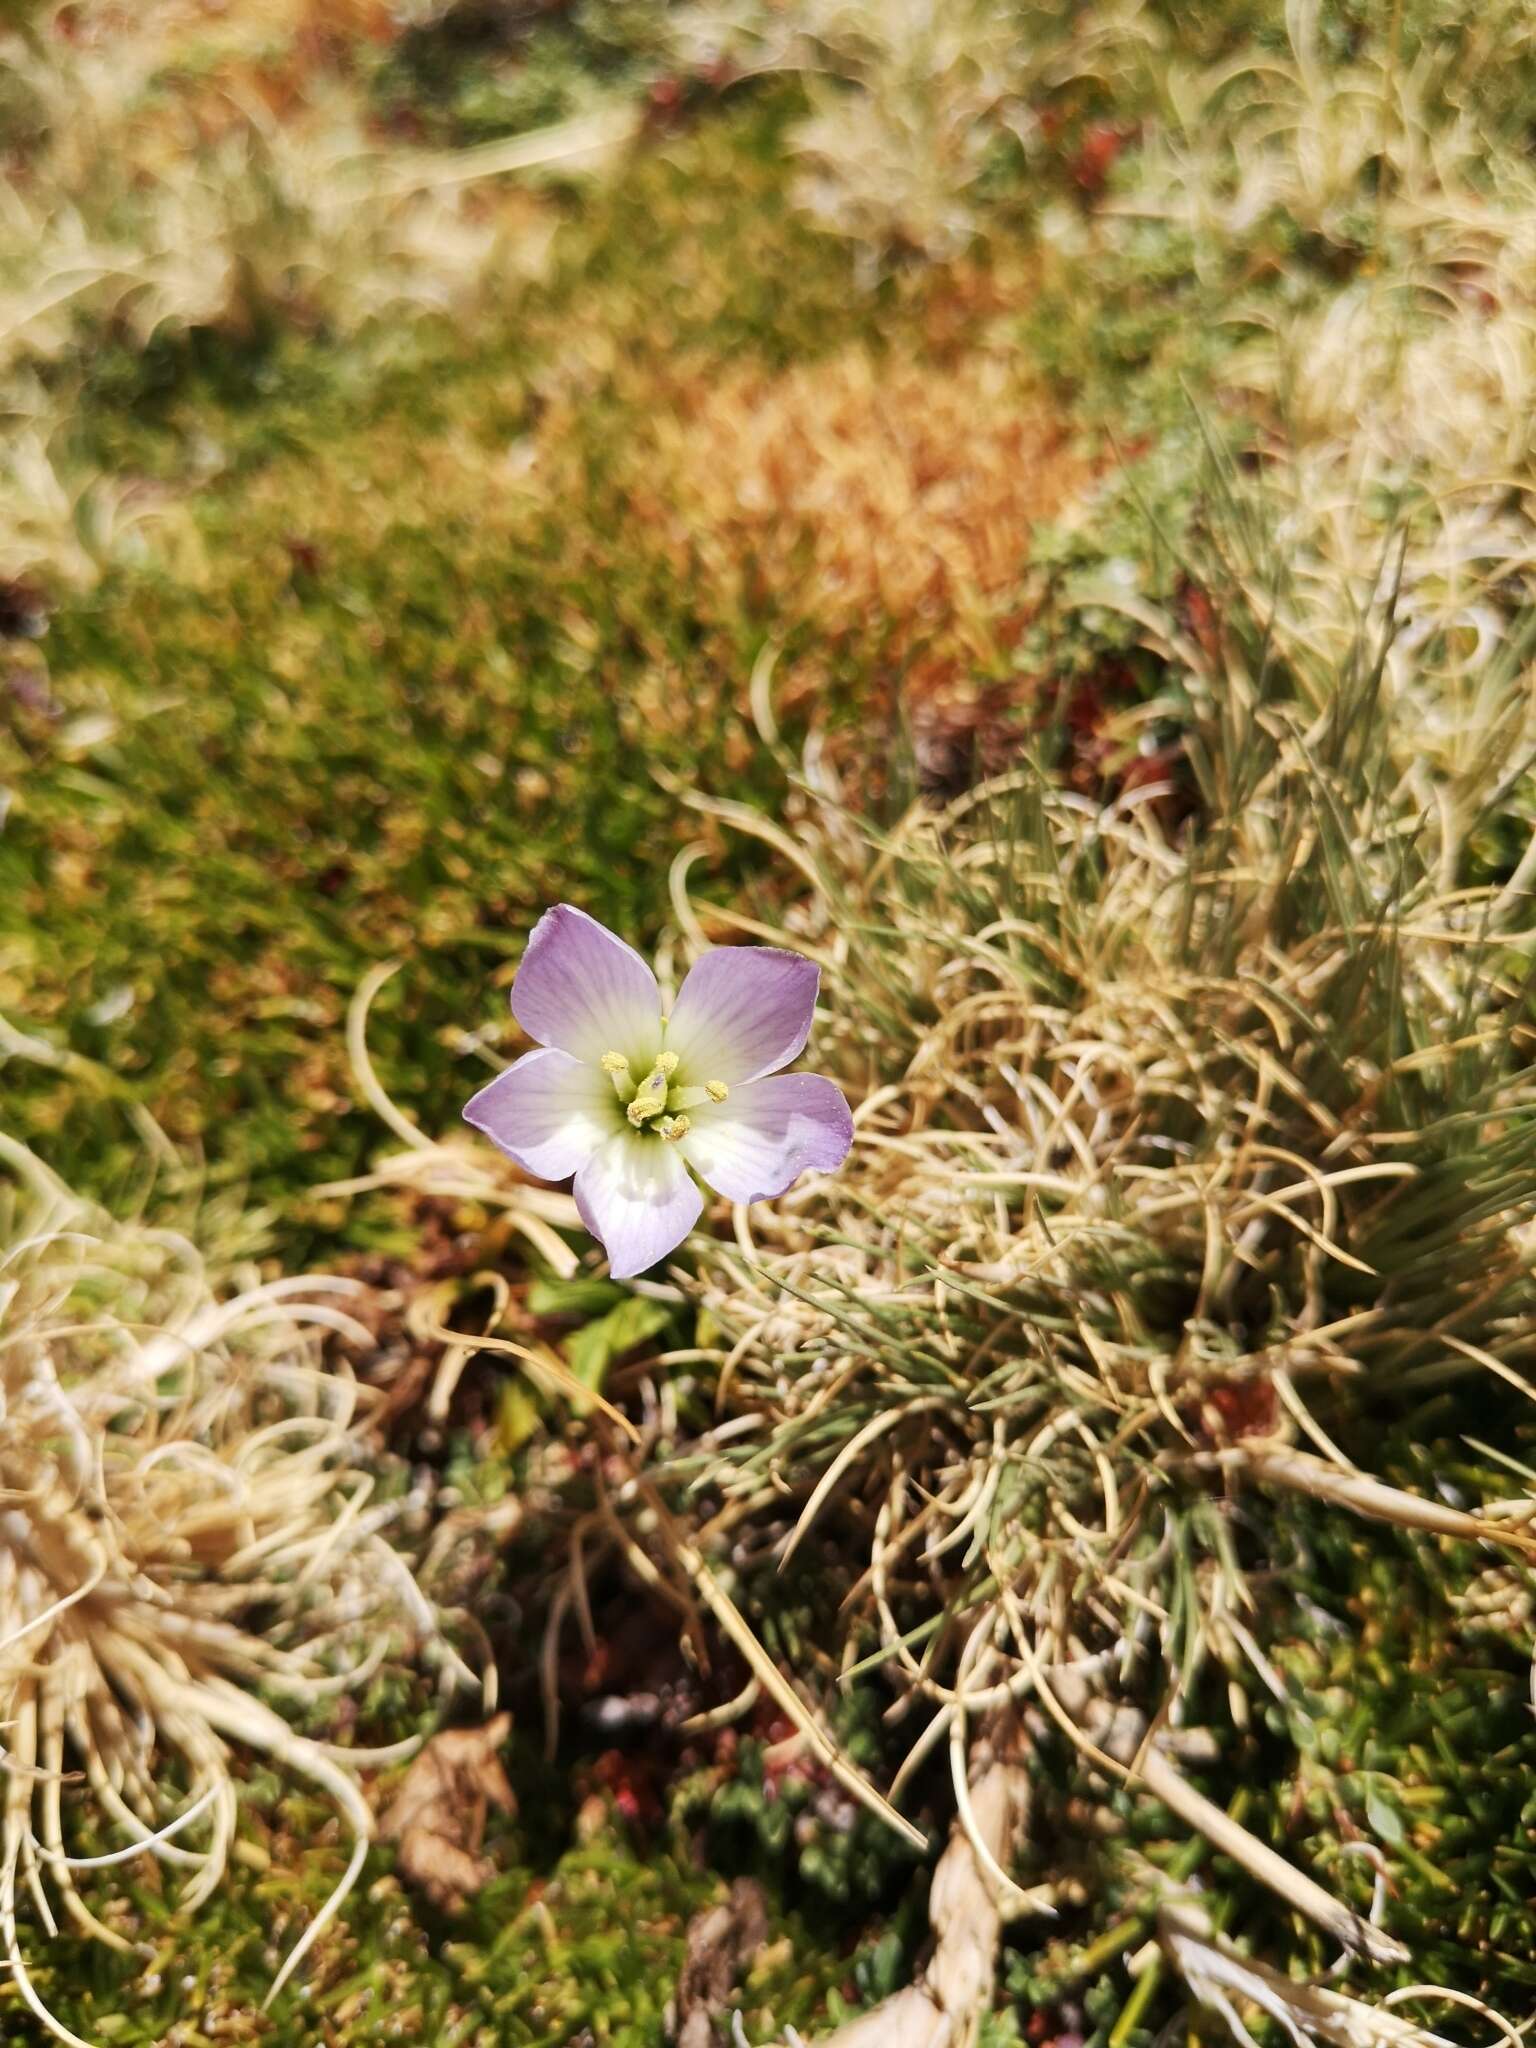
[651, 1097]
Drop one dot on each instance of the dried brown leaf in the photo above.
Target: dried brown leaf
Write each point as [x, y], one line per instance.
[438, 1816]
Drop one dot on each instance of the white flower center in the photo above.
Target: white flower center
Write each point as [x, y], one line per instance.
[659, 1102]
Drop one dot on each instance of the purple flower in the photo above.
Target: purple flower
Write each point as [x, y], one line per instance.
[628, 1100]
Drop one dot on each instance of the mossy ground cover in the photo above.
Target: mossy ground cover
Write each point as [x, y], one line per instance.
[567, 1942]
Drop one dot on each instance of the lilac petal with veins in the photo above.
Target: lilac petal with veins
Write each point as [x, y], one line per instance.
[548, 1111]
[743, 1011]
[583, 990]
[636, 1198]
[767, 1133]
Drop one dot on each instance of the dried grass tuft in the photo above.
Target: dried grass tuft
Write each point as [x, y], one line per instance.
[1182, 1167]
[912, 100]
[188, 1522]
[1392, 377]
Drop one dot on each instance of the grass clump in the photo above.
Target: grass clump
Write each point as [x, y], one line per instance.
[1191, 1165]
[1361, 214]
[919, 113]
[181, 173]
[465, 72]
[1305, 218]
[190, 1522]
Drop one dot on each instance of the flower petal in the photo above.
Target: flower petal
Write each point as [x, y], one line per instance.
[548, 1111]
[769, 1132]
[635, 1197]
[583, 990]
[742, 1011]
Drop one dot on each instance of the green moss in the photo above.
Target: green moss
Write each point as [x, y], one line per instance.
[563, 1939]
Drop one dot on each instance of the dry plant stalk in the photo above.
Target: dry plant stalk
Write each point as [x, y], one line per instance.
[186, 1525]
[967, 1909]
[1225, 1981]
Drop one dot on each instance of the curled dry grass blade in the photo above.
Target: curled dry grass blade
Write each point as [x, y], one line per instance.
[458, 1171]
[187, 1523]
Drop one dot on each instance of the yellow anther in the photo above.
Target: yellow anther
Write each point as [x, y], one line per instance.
[648, 1103]
[695, 1098]
[666, 1063]
[672, 1128]
[614, 1063]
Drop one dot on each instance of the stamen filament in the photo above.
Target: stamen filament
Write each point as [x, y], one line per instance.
[616, 1067]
